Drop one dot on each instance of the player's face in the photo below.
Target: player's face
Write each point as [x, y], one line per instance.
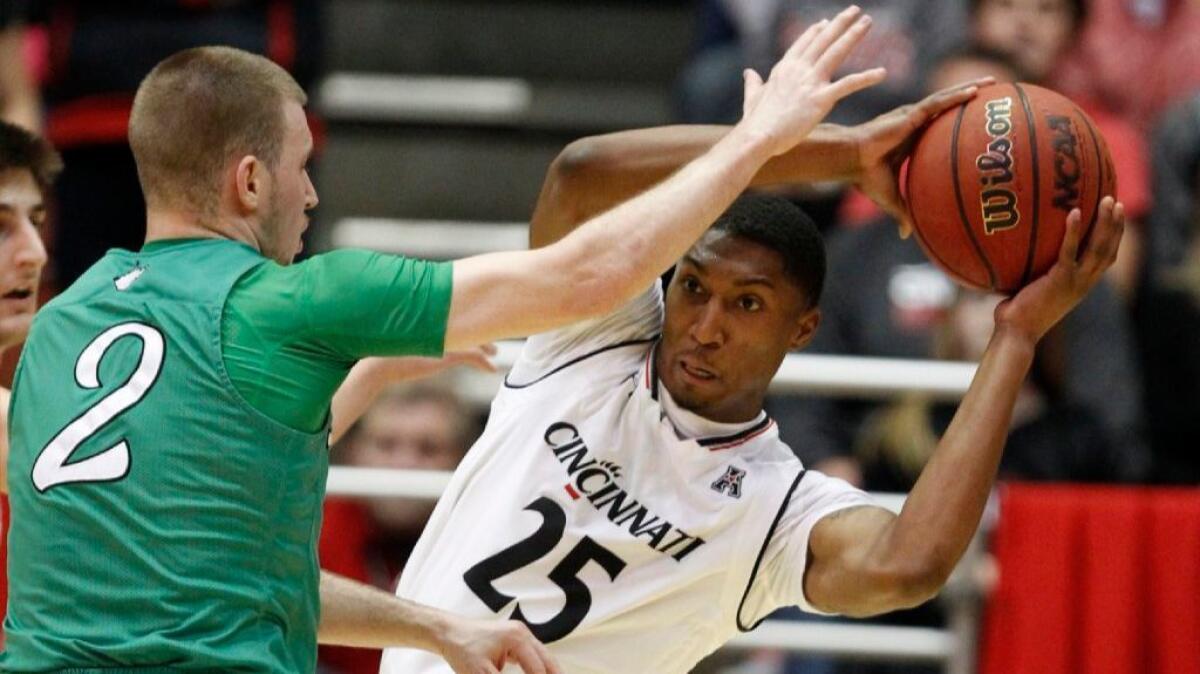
[293, 194]
[22, 256]
[1033, 32]
[732, 314]
[411, 436]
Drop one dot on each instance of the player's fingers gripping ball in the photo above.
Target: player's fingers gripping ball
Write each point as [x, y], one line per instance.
[990, 184]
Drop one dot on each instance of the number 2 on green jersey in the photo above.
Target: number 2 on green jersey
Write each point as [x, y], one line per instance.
[52, 467]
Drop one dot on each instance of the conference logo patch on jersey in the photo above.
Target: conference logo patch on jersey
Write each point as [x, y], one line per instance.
[125, 280]
[730, 483]
[596, 481]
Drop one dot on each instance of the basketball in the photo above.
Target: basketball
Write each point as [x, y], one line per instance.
[990, 184]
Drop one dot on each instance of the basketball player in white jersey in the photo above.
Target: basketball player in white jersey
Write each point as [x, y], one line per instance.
[631, 502]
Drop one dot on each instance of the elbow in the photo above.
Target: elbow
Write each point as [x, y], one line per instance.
[918, 581]
[577, 159]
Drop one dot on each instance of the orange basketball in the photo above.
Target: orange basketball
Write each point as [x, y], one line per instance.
[990, 184]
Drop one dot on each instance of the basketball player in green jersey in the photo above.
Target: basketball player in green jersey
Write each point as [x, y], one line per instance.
[171, 409]
[28, 165]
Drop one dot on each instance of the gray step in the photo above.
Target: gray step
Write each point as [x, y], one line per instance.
[570, 108]
[580, 40]
[433, 173]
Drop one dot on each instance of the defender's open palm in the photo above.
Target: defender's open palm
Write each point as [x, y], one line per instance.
[1081, 264]
[800, 91]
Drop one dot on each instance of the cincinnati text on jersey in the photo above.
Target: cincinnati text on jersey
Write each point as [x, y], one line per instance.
[596, 480]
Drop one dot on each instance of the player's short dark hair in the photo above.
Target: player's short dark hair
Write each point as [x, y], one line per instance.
[21, 149]
[196, 111]
[782, 226]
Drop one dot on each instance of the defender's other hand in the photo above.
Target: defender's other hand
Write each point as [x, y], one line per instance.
[1041, 304]
[884, 143]
[800, 92]
[486, 646]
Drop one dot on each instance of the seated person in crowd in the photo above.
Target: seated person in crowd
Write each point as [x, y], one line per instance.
[1168, 310]
[415, 427]
[1038, 35]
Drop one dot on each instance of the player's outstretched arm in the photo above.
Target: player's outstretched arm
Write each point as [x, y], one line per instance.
[868, 561]
[354, 614]
[595, 173]
[616, 255]
[371, 376]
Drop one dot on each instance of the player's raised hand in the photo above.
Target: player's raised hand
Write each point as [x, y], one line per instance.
[1081, 263]
[800, 90]
[885, 142]
[486, 646]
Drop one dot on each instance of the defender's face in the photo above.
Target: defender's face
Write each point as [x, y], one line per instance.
[22, 255]
[1033, 32]
[293, 194]
[732, 314]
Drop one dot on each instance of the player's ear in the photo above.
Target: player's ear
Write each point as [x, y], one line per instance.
[806, 328]
[249, 182]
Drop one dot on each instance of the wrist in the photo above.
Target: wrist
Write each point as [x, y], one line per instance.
[749, 142]
[851, 142]
[1016, 338]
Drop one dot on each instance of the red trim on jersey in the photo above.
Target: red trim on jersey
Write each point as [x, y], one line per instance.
[571, 492]
[742, 441]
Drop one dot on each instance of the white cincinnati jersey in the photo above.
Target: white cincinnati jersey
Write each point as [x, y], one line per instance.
[590, 512]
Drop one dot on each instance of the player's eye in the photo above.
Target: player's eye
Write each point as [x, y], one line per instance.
[691, 284]
[749, 303]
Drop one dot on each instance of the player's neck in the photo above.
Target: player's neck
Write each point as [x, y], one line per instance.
[170, 224]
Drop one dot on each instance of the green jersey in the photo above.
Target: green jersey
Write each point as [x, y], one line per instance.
[160, 519]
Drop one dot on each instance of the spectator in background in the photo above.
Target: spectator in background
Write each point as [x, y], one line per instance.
[1052, 437]
[18, 95]
[98, 53]
[907, 37]
[887, 300]
[1038, 35]
[416, 427]
[1136, 56]
[1169, 302]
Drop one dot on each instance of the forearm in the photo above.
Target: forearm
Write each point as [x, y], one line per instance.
[604, 262]
[354, 614]
[943, 509]
[367, 379]
[593, 174]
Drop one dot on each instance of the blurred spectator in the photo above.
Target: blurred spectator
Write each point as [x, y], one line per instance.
[1169, 302]
[98, 53]
[419, 427]
[18, 95]
[907, 36]
[883, 298]
[1038, 35]
[1136, 56]
[1051, 437]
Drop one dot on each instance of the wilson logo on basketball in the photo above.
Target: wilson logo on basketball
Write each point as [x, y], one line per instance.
[998, 201]
[1066, 162]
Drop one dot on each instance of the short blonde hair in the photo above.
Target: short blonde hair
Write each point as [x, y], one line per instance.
[197, 110]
